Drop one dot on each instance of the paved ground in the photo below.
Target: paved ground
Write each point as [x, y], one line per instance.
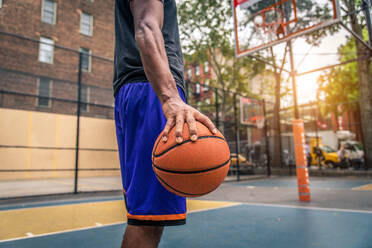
[344, 193]
[255, 213]
[31, 187]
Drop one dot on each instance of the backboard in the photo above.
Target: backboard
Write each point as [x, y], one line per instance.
[251, 111]
[263, 23]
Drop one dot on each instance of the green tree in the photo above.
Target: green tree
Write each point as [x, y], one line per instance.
[206, 31]
[364, 76]
[354, 76]
[314, 11]
[340, 86]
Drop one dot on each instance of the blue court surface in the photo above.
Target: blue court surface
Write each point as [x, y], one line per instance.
[243, 225]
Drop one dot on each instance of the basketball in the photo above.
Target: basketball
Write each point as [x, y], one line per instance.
[191, 169]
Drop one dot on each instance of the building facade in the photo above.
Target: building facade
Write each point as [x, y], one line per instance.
[48, 46]
[198, 77]
[49, 51]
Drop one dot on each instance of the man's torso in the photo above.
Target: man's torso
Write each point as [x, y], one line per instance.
[128, 67]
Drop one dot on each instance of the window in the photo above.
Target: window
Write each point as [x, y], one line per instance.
[197, 88]
[206, 67]
[86, 24]
[44, 92]
[48, 12]
[206, 84]
[1, 4]
[189, 73]
[84, 98]
[197, 70]
[85, 59]
[46, 50]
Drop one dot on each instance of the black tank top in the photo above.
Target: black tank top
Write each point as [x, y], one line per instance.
[128, 67]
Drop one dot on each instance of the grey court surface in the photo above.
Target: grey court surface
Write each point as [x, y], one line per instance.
[269, 216]
[326, 192]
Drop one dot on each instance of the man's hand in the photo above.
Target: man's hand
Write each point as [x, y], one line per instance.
[177, 113]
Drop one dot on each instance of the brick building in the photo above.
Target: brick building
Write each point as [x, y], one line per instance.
[40, 46]
[199, 78]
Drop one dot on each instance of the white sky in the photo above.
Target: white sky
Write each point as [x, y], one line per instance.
[323, 55]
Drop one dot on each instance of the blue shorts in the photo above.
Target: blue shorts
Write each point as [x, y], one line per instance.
[139, 120]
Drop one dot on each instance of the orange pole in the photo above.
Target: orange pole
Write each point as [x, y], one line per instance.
[301, 161]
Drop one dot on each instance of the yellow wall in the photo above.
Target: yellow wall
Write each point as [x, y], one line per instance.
[37, 129]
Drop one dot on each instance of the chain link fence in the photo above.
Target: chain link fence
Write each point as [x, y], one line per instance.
[58, 132]
[333, 136]
[57, 121]
[248, 143]
[57, 129]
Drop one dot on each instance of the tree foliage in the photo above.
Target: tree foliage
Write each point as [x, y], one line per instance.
[206, 31]
[340, 86]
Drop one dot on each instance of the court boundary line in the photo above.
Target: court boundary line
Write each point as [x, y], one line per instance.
[233, 204]
[360, 211]
[60, 232]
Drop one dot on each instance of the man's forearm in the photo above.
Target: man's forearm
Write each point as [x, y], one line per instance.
[155, 62]
[148, 17]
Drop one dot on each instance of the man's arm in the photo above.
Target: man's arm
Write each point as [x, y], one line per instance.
[148, 21]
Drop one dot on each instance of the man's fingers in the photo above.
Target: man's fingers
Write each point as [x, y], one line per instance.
[167, 128]
[180, 120]
[207, 122]
[192, 126]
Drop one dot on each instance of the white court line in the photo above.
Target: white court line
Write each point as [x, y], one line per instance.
[99, 225]
[311, 208]
[65, 231]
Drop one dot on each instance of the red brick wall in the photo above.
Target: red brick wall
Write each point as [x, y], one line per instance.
[24, 17]
[20, 66]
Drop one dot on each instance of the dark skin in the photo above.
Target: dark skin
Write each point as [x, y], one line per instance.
[148, 21]
[142, 236]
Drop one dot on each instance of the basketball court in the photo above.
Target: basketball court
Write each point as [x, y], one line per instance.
[264, 211]
[258, 213]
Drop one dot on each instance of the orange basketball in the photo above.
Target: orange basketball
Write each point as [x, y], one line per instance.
[191, 168]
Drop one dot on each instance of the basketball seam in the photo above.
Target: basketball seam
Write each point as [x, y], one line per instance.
[189, 194]
[186, 141]
[191, 172]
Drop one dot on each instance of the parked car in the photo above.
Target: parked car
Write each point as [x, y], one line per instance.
[326, 154]
[352, 154]
[242, 160]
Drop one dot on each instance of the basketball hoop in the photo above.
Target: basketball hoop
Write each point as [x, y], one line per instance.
[269, 24]
[260, 122]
